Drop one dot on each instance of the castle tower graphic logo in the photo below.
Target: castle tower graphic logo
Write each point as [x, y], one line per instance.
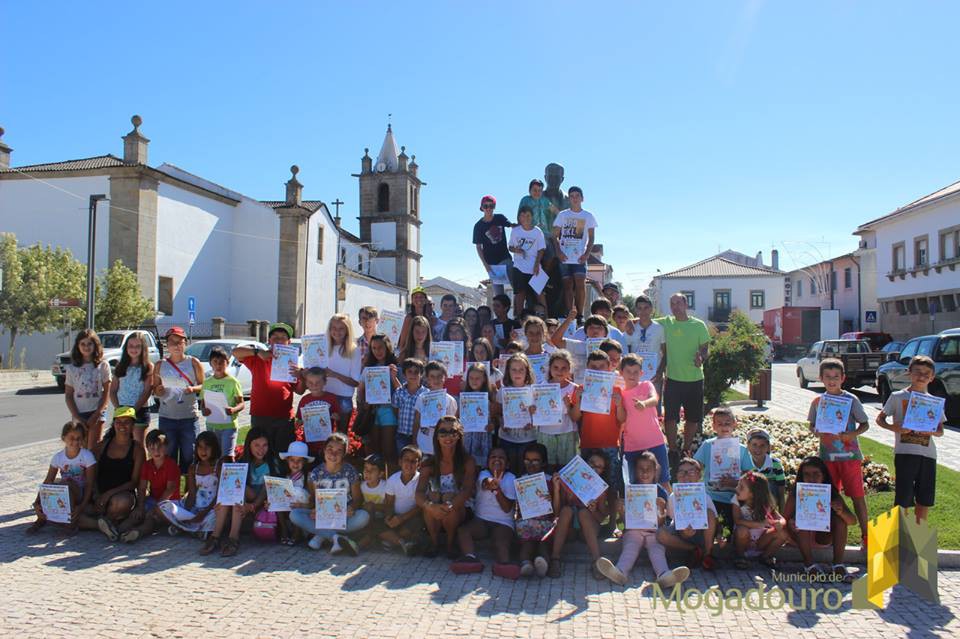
[899, 550]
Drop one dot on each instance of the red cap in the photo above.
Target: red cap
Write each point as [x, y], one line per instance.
[175, 330]
[488, 198]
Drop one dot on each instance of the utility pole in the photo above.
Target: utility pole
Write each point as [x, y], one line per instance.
[92, 255]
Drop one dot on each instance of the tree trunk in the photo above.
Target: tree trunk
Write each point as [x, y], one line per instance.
[10, 351]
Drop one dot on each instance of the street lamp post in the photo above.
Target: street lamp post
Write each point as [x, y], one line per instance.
[92, 254]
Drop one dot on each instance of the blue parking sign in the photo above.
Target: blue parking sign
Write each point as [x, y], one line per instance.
[192, 304]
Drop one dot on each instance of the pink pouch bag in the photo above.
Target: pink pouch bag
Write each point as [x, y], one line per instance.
[265, 526]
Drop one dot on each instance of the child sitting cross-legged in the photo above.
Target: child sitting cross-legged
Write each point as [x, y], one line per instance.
[534, 533]
[159, 481]
[697, 542]
[374, 491]
[76, 467]
[195, 512]
[647, 471]
[297, 461]
[569, 508]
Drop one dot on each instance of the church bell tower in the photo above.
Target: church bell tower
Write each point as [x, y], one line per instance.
[390, 213]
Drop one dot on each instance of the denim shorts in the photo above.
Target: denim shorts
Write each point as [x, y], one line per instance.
[569, 270]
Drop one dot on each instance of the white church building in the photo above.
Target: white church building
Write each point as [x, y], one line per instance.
[241, 258]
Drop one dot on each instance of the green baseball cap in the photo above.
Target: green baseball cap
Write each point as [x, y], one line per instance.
[124, 411]
[281, 326]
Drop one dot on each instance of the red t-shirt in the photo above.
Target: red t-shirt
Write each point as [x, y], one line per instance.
[267, 398]
[159, 477]
[316, 448]
[600, 431]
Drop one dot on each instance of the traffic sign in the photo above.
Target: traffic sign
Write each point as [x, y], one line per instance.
[193, 317]
[64, 302]
[192, 304]
[870, 316]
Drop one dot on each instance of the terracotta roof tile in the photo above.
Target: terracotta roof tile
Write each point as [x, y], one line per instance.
[720, 267]
[96, 162]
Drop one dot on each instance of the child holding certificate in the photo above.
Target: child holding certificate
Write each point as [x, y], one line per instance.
[343, 366]
[723, 465]
[477, 442]
[562, 441]
[914, 450]
[261, 461]
[760, 530]
[638, 414]
[297, 463]
[73, 466]
[315, 433]
[222, 401]
[590, 516]
[840, 448]
[405, 401]
[381, 417]
[334, 473]
[652, 512]
[517, 430]
[813, 470]
[431, 406]
[699, 542]
[195, 512]
[159, 481]
[534, 531]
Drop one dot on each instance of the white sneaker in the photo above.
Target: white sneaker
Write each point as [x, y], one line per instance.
[526, 569]
[541, 565]
[671, 578]
[335, 549]
[315, 542]
[610, 571]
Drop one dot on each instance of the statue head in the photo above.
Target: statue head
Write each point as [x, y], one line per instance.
[553, 174]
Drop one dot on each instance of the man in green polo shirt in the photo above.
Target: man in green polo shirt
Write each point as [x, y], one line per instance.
[687, 341]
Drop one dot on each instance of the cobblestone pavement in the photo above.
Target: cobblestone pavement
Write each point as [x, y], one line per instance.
[85, 586]
[791, 402]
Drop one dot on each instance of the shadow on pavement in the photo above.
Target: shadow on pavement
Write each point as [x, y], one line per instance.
[43, 390]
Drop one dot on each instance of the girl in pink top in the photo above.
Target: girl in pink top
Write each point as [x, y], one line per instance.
[641, 427]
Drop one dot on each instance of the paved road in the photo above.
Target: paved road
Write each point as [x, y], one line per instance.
[31, 415]
[786, 373]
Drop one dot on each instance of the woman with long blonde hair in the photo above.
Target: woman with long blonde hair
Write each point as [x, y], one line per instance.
[343, 366]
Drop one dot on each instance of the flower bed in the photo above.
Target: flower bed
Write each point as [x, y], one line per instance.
[792, 441]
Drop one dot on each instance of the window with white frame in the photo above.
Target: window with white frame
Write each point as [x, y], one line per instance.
[920, 254]
[899, 257]
[691, 298]
[950, 244]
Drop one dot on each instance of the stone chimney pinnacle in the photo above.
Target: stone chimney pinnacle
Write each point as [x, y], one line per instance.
[294, 188]
[4, 153]
[135, 144]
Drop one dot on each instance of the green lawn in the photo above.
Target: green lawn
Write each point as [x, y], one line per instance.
[942, 516]
[732, 395]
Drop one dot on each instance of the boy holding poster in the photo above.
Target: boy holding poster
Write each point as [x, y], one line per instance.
[723, 459]
[317, 410]
[840, 450]
[678, 536]
[222, 399]
[431, 406]
[644, 511]
[914, 451]
[813, 470]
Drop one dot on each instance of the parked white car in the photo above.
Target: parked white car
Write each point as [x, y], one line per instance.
[201, 350]
[113, 343]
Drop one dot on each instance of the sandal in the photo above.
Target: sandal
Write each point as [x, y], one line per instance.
[741, 563]
[288, 541]
[210, 545]
[230, 547]
[768, 562]
[35, 526]
[840, 571]
[708, 563]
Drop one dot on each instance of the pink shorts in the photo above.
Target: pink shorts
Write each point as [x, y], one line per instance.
[847, 476]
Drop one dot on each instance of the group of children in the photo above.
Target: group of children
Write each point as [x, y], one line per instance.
[128, 489]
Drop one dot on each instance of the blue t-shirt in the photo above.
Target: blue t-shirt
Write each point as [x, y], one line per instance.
[704, 456]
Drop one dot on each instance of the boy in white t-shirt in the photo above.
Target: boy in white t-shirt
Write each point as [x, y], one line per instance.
[436, 377]
[573, 235]
[404, 519]
[527, 245]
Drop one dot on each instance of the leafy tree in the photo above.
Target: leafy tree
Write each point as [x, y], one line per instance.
[629, 301]
[119, 302]
[736, 354]
[32, 276]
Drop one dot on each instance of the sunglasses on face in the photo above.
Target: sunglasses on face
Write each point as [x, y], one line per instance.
[444, 432]
[488, 206]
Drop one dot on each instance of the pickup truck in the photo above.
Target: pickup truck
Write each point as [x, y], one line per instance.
[113, 343]
[859, 362]
[944, 349]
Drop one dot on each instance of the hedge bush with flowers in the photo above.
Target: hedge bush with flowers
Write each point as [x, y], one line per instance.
[791, 441]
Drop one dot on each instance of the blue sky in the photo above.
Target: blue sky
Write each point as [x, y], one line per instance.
[693, 127]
